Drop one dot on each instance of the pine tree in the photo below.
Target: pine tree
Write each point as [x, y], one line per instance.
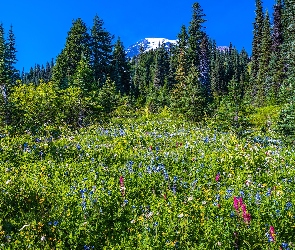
[120, 69]
[77, 44]
[101, 47]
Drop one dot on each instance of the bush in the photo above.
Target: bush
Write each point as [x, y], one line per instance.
[286, 122]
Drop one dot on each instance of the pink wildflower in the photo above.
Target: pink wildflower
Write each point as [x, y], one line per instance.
[217, 177]
[121, 181]
[247, 217]
[236, 204]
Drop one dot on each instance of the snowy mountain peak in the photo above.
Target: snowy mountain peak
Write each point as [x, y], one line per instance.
[148, 44]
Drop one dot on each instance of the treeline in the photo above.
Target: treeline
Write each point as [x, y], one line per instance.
[92, 78]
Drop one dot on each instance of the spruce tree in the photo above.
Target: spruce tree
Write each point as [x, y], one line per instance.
[101, 50]
[77, 44]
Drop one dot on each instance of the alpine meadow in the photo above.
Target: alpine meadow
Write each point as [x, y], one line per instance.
[183, 145]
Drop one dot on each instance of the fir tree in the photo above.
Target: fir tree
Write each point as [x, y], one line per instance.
[161, 66]
[256, 46]
[289, 41]
[188, 96]
[121, 69]
[205, 65]
[196, 34]
[84, 77]
[101, 47]
[3, 77]
[12, 72]
[77, 44]
[264, 61]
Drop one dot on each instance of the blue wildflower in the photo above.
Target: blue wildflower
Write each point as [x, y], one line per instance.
[285, 246]
[288, 205]
[258, 197]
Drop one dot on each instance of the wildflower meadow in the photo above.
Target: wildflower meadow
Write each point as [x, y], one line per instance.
[146, 184]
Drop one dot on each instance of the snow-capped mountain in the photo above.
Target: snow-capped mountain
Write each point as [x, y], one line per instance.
[223, 48]
[147, 44]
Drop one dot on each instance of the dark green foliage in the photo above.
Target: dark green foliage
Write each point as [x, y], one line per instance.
[142, 75]
[101, 50]
[266, 43]
[38, 74]
[205, 65]
[108, 98]
[121, 69]
[188, 97]
[77, 45]
[286, 122]
[276, 66]
[10, 56]
[84, 77]
[161, 66]
[3, 77]
[289, 46]
[196, 33]
[256, 47]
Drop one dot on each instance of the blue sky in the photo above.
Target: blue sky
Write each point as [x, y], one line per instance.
[41, 27]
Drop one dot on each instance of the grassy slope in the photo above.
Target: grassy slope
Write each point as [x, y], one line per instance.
[65, 192]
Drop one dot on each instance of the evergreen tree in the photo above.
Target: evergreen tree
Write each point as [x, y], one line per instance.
[77, 44]
[182, 64]
[289, 41]
[121, 69]
[84, 77]
[161, 66]
[256, 46]
[205, 65]
[188, 96]
[3, 77]
[182, 41]
[12, 72]
[101, 47]
[196, 35]
[276, 66]
[264, 61]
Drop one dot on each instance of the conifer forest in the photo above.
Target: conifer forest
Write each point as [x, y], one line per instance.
[186, 147]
